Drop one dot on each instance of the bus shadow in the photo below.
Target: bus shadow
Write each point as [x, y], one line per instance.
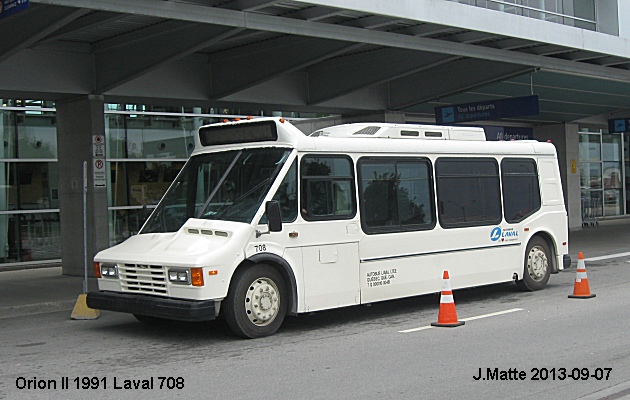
[399, 311]
[346, 319]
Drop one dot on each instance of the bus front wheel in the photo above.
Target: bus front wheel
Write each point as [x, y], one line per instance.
[256, 302]
[538, 258]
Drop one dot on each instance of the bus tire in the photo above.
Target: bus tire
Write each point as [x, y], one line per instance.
[538, 259]
[256, 302]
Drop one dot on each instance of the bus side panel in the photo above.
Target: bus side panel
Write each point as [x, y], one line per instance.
[294, 258]
[553, 207]
[414, 262]
[330, 276]
[400, 277]
[327, 273]
[483, 266]
[550, 182]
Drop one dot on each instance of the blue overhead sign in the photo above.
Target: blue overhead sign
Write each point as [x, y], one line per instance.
[9, 7]
[619, 125]
[486, 110]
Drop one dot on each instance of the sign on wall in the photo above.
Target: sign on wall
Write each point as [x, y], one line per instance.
[487, 110]
[619, 125]
[507, 133]
[98, 145]
[98, 167]
[10, 7]
[100, 176]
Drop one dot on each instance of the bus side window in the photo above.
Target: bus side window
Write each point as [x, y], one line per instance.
[327, 184]
[468, 191]
[521, 192]
[396, 194]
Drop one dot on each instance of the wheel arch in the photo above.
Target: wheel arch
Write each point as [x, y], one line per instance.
[284, 268]
[552, 247]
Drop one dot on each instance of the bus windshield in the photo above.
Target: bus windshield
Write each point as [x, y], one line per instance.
[227, 185]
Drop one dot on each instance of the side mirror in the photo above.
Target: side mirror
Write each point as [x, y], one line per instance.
[274, 217]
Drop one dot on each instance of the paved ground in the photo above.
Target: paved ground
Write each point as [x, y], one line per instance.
[41, 290]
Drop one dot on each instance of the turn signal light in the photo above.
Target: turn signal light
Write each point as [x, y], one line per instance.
[97, 270]
[196, 276]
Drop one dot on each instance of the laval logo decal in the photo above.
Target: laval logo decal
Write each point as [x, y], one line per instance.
[504, 235]
[495, 234]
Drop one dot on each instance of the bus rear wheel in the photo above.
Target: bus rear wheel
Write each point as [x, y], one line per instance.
[538, 259]
[257, 302]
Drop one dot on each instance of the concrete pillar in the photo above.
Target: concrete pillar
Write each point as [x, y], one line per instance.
[78, 120]
[572, 162]
[566, 139]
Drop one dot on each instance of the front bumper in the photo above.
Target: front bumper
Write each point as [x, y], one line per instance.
[181, 310]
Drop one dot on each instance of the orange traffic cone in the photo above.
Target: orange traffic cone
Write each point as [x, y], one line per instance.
[580, 288]
[447, 317]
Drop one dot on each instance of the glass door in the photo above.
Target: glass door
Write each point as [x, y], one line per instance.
[590, 152]
[612, 174]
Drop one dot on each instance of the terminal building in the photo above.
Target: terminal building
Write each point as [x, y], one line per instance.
[123, 86]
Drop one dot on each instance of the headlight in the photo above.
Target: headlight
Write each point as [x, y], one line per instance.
[179, 275]
[186, 276]
[109, 270]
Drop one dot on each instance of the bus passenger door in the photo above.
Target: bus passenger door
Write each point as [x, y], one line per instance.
[328, 232]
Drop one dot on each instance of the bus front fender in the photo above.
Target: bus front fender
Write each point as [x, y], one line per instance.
[287, 273]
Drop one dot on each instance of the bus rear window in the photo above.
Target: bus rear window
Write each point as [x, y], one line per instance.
[241, 133]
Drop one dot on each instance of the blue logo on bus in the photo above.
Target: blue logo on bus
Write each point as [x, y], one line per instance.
[495, 234]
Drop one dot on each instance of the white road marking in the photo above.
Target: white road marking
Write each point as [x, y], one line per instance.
[465, 319]
[618, 255]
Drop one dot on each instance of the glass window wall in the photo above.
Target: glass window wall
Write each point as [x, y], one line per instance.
[145, 152]
[29, 195]
[579, 13]
[602, 175]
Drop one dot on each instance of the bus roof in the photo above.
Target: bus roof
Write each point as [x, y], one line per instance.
[407, 131]
[362, 138]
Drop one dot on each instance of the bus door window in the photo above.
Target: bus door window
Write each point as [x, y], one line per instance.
[327, 188]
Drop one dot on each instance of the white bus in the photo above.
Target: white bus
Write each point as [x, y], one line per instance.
[264, 221]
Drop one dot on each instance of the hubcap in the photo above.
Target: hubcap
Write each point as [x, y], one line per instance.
[262, 301]
[537, 263]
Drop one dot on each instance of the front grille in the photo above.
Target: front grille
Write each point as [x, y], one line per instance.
[142, 278]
